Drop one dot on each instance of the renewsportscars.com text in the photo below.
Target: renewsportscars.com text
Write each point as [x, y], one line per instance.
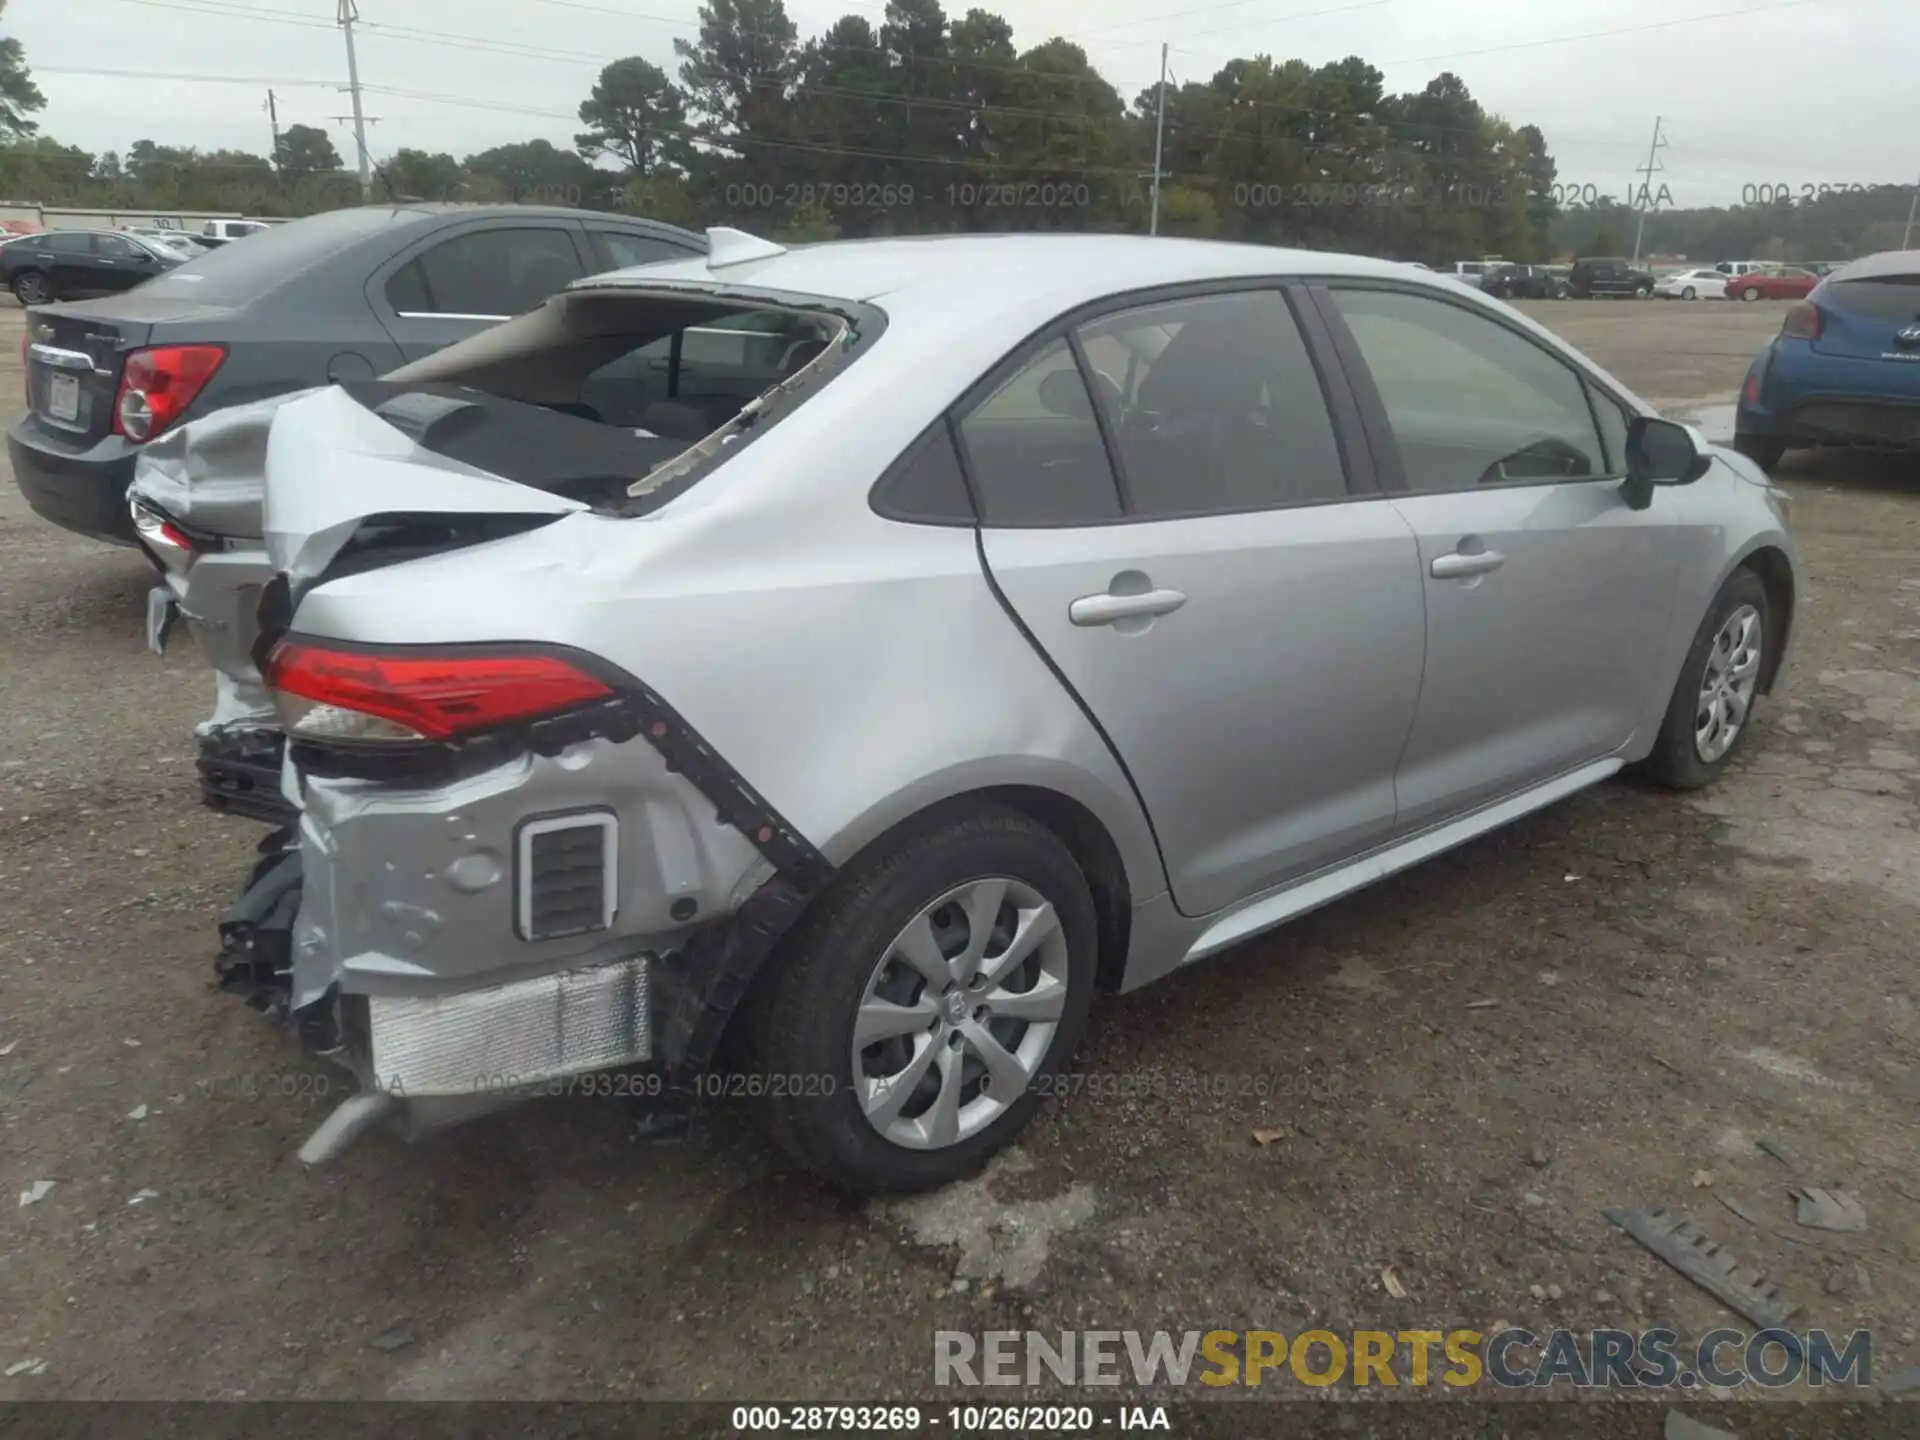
[1512, 1358]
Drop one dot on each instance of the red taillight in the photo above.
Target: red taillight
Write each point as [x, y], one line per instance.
[405, 696]
[1751, 396]
[1802, 322]
[159, 384]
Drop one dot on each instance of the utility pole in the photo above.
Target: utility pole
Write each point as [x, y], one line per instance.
[350, 12]
[273, 114]
[1907, 242]
[1645, 198]
[1159, 136]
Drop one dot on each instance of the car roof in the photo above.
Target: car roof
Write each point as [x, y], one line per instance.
[1045, 274]
[1887, 262]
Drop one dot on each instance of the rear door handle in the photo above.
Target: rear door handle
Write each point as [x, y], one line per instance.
[1458, 565]
[1107, 609]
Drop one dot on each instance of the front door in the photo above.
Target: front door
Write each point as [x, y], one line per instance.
[1241, 619]
[1545, 592]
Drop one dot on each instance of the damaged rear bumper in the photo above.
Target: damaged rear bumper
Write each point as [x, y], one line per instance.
[656, 1016]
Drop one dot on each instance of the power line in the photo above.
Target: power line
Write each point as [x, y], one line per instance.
[1230, 5]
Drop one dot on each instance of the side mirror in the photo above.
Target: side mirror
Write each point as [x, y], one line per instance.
[1660, 452]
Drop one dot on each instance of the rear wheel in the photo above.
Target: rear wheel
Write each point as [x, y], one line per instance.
[30, 287]
[920, 1010]
[1689, 293]
[1750, 292]
[1642, 291]
[1712, 705]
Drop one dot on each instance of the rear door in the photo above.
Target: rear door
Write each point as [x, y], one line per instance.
[1210, 568]
[1545, 593]
[458, 281]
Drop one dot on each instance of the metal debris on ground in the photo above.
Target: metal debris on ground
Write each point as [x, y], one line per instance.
[1737, 1208]
[1780, 1152]
[1392, 1282]
[1679, 1427]
[144, 1195]
[27, 1367]
[7, 1049]
[1690, 1250]
[394, 1337]
[35, 1193]
[1830, 1210]
[1482, 1004]
[139, 1112]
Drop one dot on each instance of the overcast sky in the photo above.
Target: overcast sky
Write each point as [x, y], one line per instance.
[1805, 93]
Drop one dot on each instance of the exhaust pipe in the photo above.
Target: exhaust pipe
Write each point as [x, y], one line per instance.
[351, 1119]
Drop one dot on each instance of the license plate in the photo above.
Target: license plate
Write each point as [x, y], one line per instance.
[162, 610]
[63, 397]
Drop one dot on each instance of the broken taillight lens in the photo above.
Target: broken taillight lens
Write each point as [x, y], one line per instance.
[403, 695]
[166, 541]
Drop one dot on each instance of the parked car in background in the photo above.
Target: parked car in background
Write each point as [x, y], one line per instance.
[1468, 272]
[219, 232]
[344, 295]
[1691, 285]
[70, 264]
[1599, 276]
[540, 835]
[1740, 267]
[1524, 282]
[1845, 367]
[1784, 282]
[178, 241]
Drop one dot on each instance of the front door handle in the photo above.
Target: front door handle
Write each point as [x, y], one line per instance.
[1460, 564]
[1108, 608]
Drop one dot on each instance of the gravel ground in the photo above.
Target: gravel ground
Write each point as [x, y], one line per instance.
[1610, 1004]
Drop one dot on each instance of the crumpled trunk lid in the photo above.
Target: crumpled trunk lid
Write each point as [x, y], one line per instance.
[337, 471]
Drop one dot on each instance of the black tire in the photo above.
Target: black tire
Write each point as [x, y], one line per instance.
[1764, 452]
[799, 1020]
[1641, 292]
[1750, 293]
[1689, 293]
[1675, 762]
[30, 287]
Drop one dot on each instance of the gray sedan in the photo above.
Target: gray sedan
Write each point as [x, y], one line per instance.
[1039, 615]
[345, 295]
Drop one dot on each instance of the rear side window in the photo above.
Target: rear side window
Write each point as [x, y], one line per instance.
[487, 273]
[617, 249]
[925, 484]
[1885, 297]
[70, 243]
[1034, 448]
[1214, 406]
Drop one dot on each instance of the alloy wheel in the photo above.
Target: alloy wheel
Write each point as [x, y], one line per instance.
[32, 289]
[1727, 684]
[959, 1013]
[1689, 293]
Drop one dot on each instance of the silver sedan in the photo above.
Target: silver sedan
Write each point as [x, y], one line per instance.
[871, 650]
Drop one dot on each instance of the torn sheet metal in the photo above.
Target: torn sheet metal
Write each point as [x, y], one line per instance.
[210, 474]
[1690, 1250]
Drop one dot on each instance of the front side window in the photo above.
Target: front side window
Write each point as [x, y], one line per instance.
[1214, 406]
[117, 247]
[1034, 449]
[1469, 401]
[486, 273]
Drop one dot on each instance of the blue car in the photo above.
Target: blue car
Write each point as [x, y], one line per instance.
[1845, 367]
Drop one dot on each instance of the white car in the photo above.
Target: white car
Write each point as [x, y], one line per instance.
[1692, 285]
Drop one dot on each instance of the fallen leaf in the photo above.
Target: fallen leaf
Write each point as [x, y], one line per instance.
[1703, 1179]
[1392, 1282]
[139, 1112]
[1267, 1137]
[35, 1193]
[7, 1049]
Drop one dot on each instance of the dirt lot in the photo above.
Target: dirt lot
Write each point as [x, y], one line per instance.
[1671, 982]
